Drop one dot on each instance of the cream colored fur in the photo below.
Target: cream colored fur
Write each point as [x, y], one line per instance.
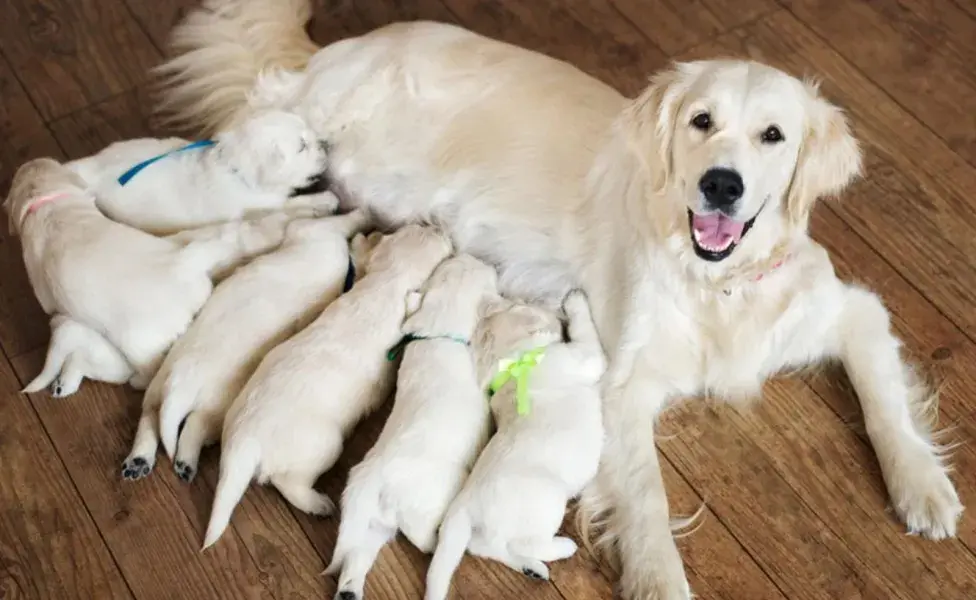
[559, 180]
[513, 504]
[250, 170]
[439, 423]
[288, 424]
[258, 307]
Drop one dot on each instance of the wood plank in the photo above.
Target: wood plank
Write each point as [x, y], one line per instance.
[153, 527]
[49, 545]
[23, 136]
[604, 44]
[920, 51]
[158, 17]
[70, 54]
[674, 26]
[337, 19]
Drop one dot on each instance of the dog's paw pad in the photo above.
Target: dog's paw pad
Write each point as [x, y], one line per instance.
[135, 468]
[346, 595]
[533, 574]
[185, 471]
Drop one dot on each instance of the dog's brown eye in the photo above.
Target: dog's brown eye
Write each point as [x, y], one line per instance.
[702, 121]
[772, 135]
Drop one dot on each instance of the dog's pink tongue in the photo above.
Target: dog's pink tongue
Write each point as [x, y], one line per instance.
[715, 229]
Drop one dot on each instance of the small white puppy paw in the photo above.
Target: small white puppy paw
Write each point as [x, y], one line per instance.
[62, 388]
[185, 470]
[137, 467]
[927, 502]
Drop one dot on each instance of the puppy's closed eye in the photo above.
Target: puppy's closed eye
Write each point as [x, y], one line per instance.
[303, 145]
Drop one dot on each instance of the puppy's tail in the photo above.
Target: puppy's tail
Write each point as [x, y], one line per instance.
[455, 534]
[218, 51]
[360, 505]
[238, 465]
[57, 353]
[177, 404]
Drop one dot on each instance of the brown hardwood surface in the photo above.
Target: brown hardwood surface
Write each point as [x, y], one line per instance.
[794, 503]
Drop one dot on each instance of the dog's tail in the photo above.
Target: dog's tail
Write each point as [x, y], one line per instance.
[453, 539]
[360, 505]
[218, 52]
[238, 466]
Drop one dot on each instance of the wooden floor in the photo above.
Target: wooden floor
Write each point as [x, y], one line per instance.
[795, 505]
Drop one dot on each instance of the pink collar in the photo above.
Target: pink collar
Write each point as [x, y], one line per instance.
[37, 203]
[771, 269]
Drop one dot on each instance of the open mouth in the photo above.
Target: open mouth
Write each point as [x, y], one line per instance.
[715, 236]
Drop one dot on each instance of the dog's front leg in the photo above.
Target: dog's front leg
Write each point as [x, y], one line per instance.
[629, 490]
[893, 401]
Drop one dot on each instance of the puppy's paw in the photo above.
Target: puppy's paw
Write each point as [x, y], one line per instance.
[185, 470]
[575, 304]
[655, 584]
[139, 382]
[61, 388]
[537, 570]
[322, 506]
[346, 595]
[136, 467]
[926, 501]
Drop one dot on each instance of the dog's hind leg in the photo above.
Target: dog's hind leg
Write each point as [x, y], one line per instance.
[500, 552]
[297, 489]
[547, 550]
[359, 560]
[69, 380]
[200, 429]
[142, 458]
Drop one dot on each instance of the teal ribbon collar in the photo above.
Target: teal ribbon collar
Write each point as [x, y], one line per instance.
[128, 175]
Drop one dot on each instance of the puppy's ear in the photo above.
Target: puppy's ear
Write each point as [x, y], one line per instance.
[491, 304]
[830, 158]
[650, 120]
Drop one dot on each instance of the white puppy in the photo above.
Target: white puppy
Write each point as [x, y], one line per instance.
[77, 352]
[439, 423]
[167, 185]
[138, 291]
[259, 306]
[546, 449]
[288, 424]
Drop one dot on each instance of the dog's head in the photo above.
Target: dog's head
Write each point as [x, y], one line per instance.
[738, 152]
[34, 180]
[508, 327]
[273, 150]
[413, 250]
[451, 300]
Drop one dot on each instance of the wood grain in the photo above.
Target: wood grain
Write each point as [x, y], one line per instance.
[49, 545]
[70, 54]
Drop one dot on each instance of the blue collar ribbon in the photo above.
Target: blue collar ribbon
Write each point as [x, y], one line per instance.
[128, 175]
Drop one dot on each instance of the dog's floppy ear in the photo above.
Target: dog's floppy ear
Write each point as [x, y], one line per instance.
[650, 119]
[491, 304]
[829, 159]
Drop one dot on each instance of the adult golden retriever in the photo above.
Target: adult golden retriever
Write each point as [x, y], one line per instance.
[683, 213]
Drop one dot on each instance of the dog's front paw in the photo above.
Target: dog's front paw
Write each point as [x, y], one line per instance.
[346, 595]
[661, 578]
[926, 500]
[136, 467]
[185, 470]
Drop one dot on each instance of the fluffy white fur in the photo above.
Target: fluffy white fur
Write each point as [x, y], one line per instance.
[514, 502]
[558, 179]
[288, 424]
[77, 352]
[259, 306]
[251, 169]
[439, 423]
[138, 291]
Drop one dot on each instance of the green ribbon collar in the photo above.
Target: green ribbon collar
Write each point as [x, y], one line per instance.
[397, 350]
[518, 369]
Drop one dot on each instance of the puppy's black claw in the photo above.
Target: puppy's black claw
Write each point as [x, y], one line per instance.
[346, 595]
[530, 573]
[57, 390]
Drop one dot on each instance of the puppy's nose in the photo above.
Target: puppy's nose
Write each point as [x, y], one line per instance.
[721, 187]
[324, 146]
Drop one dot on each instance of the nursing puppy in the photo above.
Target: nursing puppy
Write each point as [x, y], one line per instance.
[439, 423]
[250, 169]
[514, 502]
[259, 306]
[288, 424]
[77, 352]
[138, 291]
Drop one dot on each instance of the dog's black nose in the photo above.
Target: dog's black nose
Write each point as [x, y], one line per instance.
[324, 145]
[721, 187]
